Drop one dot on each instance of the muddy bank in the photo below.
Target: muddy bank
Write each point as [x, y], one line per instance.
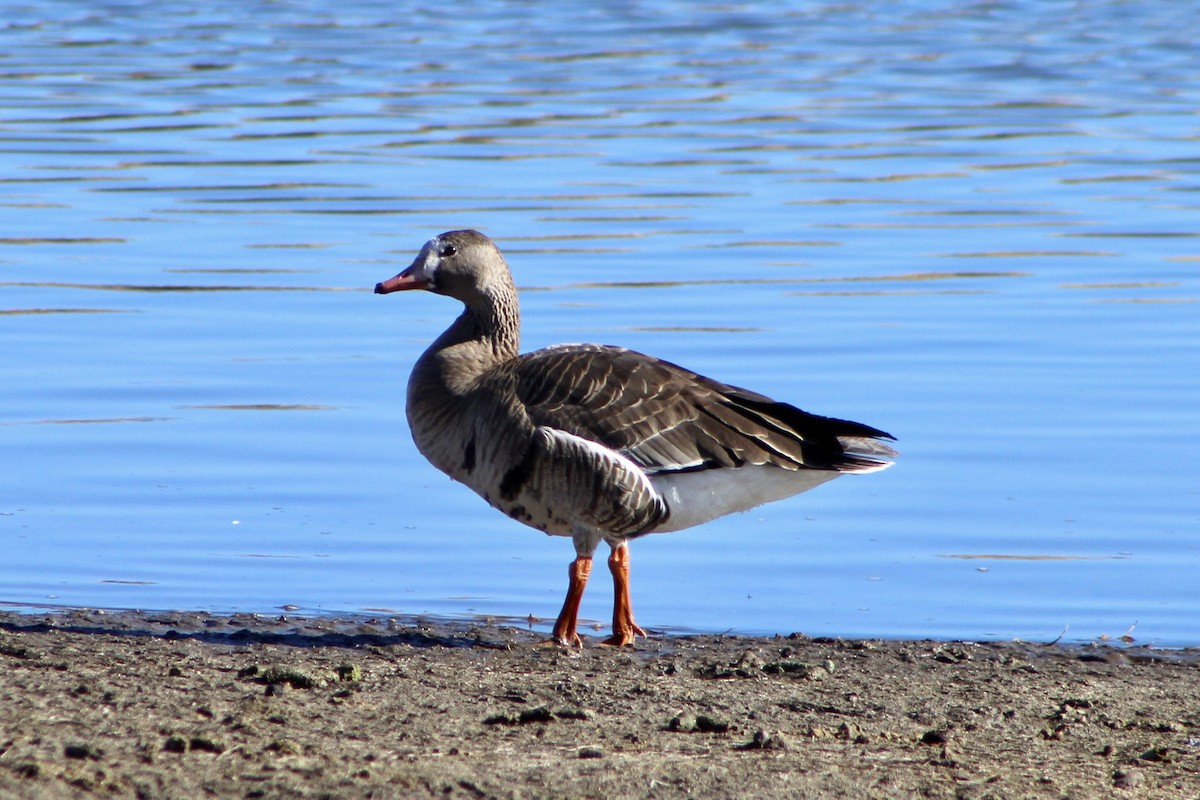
[185, 705]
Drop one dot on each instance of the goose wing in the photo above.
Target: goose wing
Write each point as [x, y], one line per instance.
[665, 418]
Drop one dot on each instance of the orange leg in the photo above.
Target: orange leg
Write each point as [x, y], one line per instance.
[564, 627]
[624, 628]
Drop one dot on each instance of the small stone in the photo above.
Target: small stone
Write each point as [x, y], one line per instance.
[590, 752]
[285, 747]
[716, 672]
[934, 737]
[949, 654]
[851, 733]
[683, 722]
[706, 724]
[175, 744]
[206, 744]
[574, 713]
[765, 740]
[82, 750]
[501, 719]
[538, 714]
[1130, 779]
[749, 664]
[798, 669]
[818, 732]
[1156, 754]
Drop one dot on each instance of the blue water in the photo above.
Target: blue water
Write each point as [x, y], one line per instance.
[971, 225]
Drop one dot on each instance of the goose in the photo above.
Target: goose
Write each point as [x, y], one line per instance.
[595, 442]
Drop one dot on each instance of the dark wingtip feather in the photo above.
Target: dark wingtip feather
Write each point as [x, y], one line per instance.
[867, 453]
[828, 442]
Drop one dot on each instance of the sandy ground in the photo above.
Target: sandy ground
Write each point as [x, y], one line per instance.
[187, 705]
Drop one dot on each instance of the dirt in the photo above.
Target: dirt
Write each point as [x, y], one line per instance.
[188, 705]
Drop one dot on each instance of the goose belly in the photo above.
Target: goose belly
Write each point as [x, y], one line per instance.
[698, 497]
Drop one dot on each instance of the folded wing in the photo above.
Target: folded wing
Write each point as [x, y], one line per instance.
[666, 419]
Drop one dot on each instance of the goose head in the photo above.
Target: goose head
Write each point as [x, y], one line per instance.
[465, 265]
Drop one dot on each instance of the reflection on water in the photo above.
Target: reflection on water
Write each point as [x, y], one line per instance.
[265, 407]
[86, 421]
[174, 287]
[793, 199]
[15, 311]
[1019, 557]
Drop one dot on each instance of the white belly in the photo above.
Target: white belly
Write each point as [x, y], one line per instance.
[697, 497]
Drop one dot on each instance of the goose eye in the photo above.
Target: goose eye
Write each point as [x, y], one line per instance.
[447, 250]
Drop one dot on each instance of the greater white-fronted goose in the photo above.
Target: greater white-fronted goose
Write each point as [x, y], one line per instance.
[594, 442]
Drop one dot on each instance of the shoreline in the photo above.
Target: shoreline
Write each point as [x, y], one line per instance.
[186, 704]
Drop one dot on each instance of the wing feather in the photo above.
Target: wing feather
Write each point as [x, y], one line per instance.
[668, 419]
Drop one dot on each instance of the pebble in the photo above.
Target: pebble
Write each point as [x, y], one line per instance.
[285, 747]
[206, 744]
[1128, 780]
[349, 672]
[537, 714]
[934, 737]
[765, 740]
[684, 722]
[82, 750]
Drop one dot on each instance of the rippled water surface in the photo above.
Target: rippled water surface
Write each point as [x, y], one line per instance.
[971, 224]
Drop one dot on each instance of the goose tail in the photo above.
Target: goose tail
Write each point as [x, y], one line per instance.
[867, 453]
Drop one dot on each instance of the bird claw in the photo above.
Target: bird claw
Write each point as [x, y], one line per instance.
[573, 641]
[624, 636]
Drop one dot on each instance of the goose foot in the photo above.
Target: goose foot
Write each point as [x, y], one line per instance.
[624, 638]
[564, 632]
[624, 628]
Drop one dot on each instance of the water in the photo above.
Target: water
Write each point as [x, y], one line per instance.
[971, 225]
